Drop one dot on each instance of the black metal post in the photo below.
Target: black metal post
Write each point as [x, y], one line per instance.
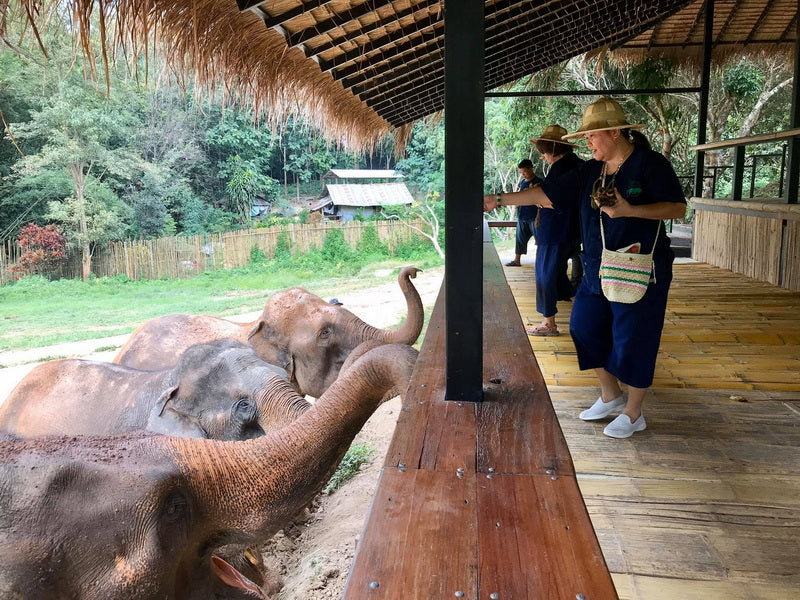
[705, 84]
[793, 161]
[463, 182]
[738, 173]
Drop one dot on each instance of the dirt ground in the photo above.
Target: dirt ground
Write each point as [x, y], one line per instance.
[313, 555]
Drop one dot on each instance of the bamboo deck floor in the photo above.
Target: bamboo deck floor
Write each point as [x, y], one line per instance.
[706, 502]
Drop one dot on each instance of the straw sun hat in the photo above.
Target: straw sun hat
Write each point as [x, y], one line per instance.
[553, 133]
[603, 115]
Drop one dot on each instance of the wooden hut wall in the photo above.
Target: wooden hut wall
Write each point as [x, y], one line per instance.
[756, 239]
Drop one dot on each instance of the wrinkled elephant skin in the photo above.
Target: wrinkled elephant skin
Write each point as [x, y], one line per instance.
[297, 330]
[139, 516]
[215, 390]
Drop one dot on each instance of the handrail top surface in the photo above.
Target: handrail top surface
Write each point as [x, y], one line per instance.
[752, 139]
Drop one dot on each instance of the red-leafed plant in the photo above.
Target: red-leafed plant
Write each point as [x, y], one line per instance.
[44, 249]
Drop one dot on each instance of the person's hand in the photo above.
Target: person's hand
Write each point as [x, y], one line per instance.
[620, 208]
[489, 202]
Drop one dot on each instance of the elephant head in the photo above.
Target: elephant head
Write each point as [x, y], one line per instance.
[311, 338]
[221, 391]
[217, 390]
[141, 516]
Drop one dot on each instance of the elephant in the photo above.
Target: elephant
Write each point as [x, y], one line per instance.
[216, 390]
[298, 331]
[141, 515]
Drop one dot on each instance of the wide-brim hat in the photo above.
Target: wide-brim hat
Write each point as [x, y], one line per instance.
[553, 133]
[603, 115]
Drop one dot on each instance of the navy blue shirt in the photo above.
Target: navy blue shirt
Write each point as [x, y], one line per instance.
[527, 213]
[646, 177]
[559, 225]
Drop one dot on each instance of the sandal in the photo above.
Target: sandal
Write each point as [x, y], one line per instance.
[543, 330]
[513, 264]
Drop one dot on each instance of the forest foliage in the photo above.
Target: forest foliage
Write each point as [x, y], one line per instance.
[147, 156]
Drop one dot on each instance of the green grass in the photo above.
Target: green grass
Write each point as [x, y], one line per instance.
[357, 455]
[37, 312]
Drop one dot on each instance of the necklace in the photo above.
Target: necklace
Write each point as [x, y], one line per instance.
[621, 161]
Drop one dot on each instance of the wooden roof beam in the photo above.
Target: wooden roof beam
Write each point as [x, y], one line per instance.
[695, 24]
[282, 18]
[375, 25]
[343, 18]
[728, 20]
[792, 26]
[419, 27]
[408, 68]
[759, 20]
[430, 41]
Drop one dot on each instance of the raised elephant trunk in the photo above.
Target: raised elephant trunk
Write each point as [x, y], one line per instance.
[409, 331]
[257, 486]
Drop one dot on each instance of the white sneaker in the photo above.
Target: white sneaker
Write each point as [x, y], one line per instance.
[602, 409]
[622, 427]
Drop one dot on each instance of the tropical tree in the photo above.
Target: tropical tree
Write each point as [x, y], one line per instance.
[85, 135]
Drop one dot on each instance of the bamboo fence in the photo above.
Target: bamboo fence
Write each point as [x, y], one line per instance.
[184, 257]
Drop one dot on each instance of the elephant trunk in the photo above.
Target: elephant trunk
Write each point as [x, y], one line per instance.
[251, 489]
[279, 405]
[409, 331]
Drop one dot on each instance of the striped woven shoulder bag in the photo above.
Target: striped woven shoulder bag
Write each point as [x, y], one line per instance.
[625, 274]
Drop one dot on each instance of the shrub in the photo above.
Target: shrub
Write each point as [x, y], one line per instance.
[370, 243]
[44, 250]
[357, 455]
[334, 249]
[257, 256]
[283, 249]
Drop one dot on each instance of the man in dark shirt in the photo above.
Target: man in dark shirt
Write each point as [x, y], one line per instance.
[526, 215]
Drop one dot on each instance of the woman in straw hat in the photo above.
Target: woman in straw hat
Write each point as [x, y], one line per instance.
[630, 188]
[556, 233]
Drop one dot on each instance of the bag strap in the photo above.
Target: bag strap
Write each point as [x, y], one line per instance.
[603, 235]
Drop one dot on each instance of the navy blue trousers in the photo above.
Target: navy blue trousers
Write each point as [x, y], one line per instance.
[524, 235]
[621, 338]
[552, 283]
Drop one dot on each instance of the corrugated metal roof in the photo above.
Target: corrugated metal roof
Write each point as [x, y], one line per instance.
[362, 174]
[364, 194]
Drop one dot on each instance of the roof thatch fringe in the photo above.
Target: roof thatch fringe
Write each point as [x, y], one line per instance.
[223, 47]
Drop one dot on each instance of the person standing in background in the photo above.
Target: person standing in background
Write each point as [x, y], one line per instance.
[556, 232]
[526, 215]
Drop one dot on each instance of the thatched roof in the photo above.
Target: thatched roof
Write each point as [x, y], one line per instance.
[740, 26]
[360, 68]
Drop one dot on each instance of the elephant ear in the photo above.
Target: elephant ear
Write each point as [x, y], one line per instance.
[228, 575]
[271, 353]
[167, 419]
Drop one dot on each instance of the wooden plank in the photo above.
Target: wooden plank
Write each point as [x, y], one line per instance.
[537, 540]
[420, 538]
[744, 141]
[431, 432]
[516, 412]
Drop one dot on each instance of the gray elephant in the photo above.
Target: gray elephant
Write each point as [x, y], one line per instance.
[298, 331]
[141, 515]
[215, 390]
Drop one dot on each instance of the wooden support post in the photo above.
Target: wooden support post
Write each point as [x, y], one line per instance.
[463, 174]
[705, 84]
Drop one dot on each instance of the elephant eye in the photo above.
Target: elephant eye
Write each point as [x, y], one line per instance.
[325, 333]
[243, 405]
